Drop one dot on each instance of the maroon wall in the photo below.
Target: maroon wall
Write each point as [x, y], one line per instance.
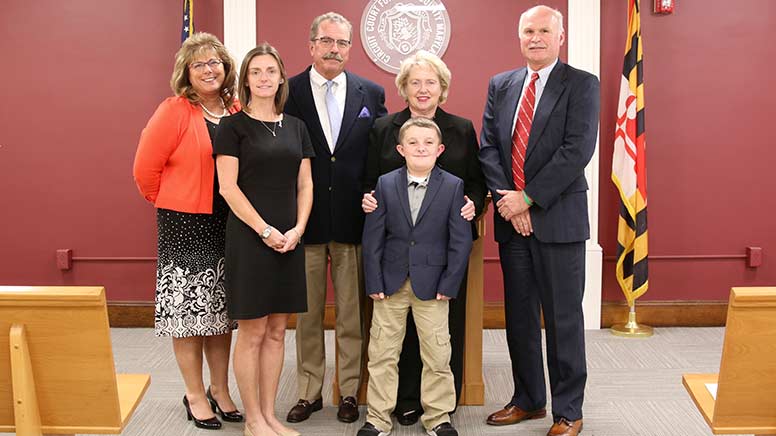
[483, 43]
[707, 75]
[82, 78]
[80, 81]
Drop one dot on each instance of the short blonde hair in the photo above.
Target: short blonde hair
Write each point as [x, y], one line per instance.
[195, 45]
[419, 122]
[423, 57]
[245, 94]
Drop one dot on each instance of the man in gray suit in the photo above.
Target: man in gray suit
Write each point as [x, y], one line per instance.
[538, 133]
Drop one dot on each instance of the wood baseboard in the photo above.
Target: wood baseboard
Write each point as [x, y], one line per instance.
[652, 313]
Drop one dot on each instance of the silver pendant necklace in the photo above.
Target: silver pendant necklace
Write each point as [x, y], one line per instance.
[218, 117]
[272, 130]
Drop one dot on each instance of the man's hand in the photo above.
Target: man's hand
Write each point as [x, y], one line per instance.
[511, 203]
[522, 223]
[378, 296]
[442, 297]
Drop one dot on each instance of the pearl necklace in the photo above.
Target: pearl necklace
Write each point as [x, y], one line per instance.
[218, 117]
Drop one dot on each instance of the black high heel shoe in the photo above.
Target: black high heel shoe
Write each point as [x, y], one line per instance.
[208, 424]
[233, 416]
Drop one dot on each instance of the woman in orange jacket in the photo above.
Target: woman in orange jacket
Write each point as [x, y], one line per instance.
[174, 169]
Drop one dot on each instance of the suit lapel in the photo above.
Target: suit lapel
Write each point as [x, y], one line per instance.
[434, 183]
[303, 92]
[354, 100]
[552, 91]
[404, 197]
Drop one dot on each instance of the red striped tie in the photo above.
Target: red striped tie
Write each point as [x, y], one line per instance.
[522, 129]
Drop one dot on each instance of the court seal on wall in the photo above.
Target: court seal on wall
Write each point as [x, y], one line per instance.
[391, 30]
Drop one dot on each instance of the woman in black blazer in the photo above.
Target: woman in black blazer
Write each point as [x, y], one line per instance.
[423, 81]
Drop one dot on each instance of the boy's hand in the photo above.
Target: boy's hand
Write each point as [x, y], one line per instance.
[442, 297]
[378, 296]
[369, 202]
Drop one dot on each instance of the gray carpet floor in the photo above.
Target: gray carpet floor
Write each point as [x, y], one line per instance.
[634, 387]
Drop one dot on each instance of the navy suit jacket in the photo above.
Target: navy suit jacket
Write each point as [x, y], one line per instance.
[561, 143]
[433, 253]
[337, 177]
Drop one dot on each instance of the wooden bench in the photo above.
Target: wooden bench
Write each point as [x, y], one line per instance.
[56, 364]
[745, 399]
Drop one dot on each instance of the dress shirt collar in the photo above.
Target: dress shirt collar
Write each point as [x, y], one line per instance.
[420, 181]
[320, 81]
[544, 73]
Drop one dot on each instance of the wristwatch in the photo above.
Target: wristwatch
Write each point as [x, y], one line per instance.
[265, 234]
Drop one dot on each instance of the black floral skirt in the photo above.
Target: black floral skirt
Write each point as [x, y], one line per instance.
[190, 299]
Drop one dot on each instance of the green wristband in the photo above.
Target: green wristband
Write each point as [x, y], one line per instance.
[527, 199]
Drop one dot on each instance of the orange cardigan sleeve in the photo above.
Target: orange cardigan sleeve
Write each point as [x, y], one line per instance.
[158, 141]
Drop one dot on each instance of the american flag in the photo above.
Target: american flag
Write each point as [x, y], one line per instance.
[187, 29]
[629, 170]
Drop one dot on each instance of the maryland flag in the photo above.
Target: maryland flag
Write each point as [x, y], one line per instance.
[629, 170]
[187, 28]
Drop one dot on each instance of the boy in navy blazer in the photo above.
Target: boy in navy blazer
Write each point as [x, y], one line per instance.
[416, 249]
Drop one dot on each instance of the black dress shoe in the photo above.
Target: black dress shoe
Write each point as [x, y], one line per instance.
[208, 424]
[233, 416]
[443, 429]
[303, 410]
[410, 417]
[348, 410]
[370, 430]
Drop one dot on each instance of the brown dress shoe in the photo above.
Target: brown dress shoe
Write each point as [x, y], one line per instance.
[303, 410]
[348, 410]
[511, 414]
[564, 427]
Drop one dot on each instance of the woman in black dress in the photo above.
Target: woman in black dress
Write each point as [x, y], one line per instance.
[174, 170]
[263, 161]
[423, 81]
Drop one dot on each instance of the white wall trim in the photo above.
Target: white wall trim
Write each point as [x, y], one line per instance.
[584, 52]
[239, 28]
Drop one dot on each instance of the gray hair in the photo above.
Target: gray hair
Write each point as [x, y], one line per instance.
[556, 13]
[334, 18]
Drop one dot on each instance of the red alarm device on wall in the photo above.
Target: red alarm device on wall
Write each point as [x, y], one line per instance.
[664, 6]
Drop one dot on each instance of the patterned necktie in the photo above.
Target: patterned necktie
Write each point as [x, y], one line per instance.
[335, 116]
[522, 130]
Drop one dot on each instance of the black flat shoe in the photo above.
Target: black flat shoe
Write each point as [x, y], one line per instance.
[233, 416]
[208, 424]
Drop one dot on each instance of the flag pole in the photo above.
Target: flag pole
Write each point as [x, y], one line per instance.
[632, 329]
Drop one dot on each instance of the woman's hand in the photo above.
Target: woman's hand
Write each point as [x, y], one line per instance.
[275, 240]
[293, 237]
[467, 211]
[369, 203]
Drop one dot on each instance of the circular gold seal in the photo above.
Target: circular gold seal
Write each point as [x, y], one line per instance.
[393, 29]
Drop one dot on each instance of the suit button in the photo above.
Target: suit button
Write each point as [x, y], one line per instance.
[329, 188]
[333, 159]
[412, 243]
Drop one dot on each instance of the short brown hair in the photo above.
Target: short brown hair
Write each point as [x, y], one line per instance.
[197, 44]
[419, 122]
[245, 95]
